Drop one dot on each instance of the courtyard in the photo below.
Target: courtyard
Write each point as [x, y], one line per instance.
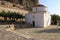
[49, 33]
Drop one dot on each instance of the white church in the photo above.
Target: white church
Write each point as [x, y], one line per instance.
[39, 16]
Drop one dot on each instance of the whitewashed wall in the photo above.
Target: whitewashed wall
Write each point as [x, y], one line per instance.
[47, 19]
[38, 18]
[42, 17]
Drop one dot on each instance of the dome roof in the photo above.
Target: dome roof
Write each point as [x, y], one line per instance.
[39, 5]
[27, 0]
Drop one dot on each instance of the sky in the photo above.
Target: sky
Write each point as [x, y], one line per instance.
[53, 6]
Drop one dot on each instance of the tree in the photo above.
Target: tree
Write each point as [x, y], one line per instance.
[54, 18]
[3, 14]
[13, 16]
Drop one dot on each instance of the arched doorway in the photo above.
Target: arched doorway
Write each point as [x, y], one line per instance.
[33, 23]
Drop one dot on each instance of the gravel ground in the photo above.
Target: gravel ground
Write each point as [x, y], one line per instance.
[49, 33]
[8, 35]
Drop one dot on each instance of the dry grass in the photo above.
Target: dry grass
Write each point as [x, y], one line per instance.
[49, 33]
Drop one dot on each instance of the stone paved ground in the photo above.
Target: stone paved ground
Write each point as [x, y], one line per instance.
[8, 35]
[49, 33]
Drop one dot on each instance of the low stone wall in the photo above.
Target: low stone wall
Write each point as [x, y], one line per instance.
[12, 27]
[7, 27]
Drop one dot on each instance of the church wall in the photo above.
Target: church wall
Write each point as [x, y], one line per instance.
[29, 18]
[38, 18]
[42, 19]
[47, 19]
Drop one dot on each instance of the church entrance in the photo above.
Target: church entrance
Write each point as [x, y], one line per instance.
[33, 23]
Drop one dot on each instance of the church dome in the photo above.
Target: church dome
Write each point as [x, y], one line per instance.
[39, 5]
[27, 0]
[39, 8]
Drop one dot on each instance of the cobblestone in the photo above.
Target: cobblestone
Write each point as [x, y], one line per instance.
[8, 35]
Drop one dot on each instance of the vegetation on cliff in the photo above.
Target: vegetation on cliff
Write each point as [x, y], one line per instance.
[13, 16]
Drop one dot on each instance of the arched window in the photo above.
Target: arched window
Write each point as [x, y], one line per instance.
[36, 9]
[33, 16]
[20, 1]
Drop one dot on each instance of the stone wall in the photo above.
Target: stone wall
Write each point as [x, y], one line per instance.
[7, 27]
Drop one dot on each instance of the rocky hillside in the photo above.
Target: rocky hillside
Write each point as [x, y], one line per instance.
[10, 5]
[26, 4]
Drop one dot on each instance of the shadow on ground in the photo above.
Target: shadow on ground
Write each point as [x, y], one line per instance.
[49, 31]
[22, 26]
